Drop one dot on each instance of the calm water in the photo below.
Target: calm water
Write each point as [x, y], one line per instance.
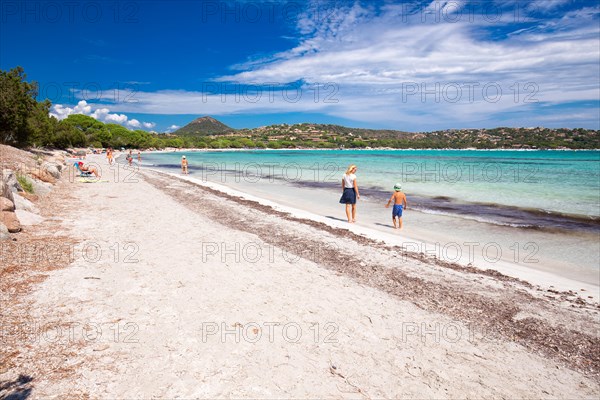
[528, 189]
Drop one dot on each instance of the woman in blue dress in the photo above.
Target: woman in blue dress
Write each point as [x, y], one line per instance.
[350, 193]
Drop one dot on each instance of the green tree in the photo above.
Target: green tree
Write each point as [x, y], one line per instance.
[92, 129]
[66, 135]
[17, 107]
[41, 126]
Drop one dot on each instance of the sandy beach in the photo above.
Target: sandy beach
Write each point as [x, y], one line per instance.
[165, 288]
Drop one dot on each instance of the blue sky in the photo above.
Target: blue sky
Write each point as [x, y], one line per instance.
[407, 65]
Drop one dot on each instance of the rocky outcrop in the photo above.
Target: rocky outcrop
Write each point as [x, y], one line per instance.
[21, 203]
[27, 218]
[6, 204]
[41, 171]
[40, 187]
[42, 175]
[4, 232]
[10, 178]
[10, 220]
[5, 191]
[53, 169]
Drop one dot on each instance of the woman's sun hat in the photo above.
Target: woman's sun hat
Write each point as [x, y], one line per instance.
[182, 156]
[397, 187]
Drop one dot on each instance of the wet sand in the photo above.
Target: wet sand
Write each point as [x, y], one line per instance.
[559, 260]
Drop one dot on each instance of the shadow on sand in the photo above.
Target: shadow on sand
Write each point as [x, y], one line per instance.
[336, 218]
[385, 225]
[18, 389]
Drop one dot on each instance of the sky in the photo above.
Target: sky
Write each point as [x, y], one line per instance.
[407, 65]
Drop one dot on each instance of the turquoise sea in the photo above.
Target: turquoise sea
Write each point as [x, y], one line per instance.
[529, 189]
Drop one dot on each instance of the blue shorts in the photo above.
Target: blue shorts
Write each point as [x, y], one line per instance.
[397, 211]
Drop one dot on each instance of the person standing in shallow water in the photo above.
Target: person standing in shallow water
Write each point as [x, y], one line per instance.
[400, 204]
[184, 165]
[350, 193]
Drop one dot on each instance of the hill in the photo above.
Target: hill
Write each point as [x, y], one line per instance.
[208, 132]
[335, 136]
[204, 126]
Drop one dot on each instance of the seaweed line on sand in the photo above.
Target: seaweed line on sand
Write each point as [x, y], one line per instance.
[578, 350]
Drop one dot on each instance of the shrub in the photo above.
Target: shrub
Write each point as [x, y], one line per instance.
[25, 183]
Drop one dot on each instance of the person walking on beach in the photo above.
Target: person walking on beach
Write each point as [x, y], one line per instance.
[139, 157]
[109, 155]
[129, 157]
[400, 204]
[184, 165]
[350, 193]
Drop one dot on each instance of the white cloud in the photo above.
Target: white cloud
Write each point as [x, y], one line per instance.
[371, 55]
[134, 123]
[100, 113]
[60, 112]
[545, 5]
[116, 118]
[82, 108]
[172, 128]
[375, 59]
[103, 114]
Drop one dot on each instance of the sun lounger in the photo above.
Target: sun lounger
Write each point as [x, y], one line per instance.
[83, 174]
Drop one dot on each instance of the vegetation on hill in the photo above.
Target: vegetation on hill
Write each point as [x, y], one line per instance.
[24, 121]
[335, 136]
[204, 126]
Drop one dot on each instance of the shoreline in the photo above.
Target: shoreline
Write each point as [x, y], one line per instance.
[534, 276]
[518, 204]
[193, 149]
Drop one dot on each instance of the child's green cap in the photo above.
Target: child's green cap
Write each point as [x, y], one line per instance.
[397, 187]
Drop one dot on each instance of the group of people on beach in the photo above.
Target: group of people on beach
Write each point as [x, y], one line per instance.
[350, 195]
[110, 158]
[129, 157]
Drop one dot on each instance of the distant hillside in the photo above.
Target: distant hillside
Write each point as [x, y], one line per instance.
[332, 136]
[207, 132]
[204, 126]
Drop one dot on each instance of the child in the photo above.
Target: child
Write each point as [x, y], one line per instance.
[400, 203]
[184, 165]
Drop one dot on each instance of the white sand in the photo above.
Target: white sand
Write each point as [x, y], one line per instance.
[556, 276]
[369, 344]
